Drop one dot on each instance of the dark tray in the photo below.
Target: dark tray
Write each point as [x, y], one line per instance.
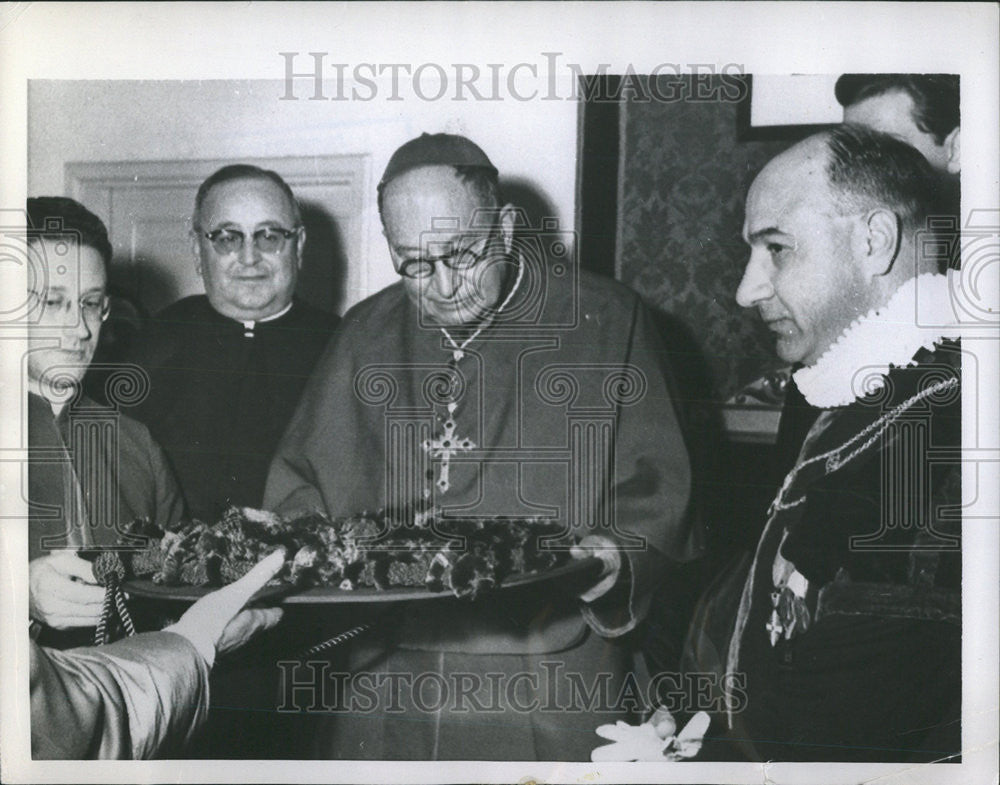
[574, 574]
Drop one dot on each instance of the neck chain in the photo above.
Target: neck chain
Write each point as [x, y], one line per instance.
[458, 350]
[790, 613]
[446, 443]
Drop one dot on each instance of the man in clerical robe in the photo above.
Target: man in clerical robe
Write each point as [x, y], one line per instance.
[840, 637]
[495, 378]
[92, 470]
[226, 368]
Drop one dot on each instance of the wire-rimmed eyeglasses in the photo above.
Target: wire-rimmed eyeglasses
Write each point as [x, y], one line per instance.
[455, 258]
[94, 307]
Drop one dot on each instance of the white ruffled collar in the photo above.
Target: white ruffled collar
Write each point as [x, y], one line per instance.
[919, 314]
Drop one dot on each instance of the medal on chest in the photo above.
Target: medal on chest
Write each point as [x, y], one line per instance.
[790, 614]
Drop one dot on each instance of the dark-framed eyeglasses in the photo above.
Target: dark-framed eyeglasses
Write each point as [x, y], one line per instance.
[454, 258]
[94, 307]
[269, 240]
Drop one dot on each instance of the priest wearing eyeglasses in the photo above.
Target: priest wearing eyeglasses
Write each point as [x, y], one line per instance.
[494, 379]
[91, 468]
[226, 368]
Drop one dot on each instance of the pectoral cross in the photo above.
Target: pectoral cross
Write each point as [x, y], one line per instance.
[446, 445]
[774, 626]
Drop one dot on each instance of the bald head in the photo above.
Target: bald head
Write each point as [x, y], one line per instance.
[861, 169]
[831, 224]
[449, 240]
[792, 180]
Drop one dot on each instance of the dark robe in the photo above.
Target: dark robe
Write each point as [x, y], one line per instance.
[140, 697]
[93, 470]
[564, 401]
[220, 395]
[797, 417]
[876, 674]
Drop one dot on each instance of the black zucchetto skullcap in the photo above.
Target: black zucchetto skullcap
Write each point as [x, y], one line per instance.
[435, 150]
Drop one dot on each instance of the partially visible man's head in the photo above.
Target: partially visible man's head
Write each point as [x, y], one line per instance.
[448, 234]
[920, 109]
[68, 284]
[831, 224]
[247, 241]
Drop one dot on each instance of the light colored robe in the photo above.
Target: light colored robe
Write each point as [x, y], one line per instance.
[141, 697]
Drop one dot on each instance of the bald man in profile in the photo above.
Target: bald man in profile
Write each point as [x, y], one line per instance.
[847, 627]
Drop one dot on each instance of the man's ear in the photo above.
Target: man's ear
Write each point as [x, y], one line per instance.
[882, 242]
[196, 251]
[953, 148]
[300, 245]
[508, 220]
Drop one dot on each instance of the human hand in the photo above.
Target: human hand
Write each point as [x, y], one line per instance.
[63, 592]
[215, 623]
[654, 740]
[607, 551]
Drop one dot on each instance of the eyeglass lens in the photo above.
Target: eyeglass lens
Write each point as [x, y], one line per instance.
[93, 308]
[451, 257]
[267, 240]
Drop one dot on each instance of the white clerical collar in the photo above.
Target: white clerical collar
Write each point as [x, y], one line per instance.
[919, 314]
[249, 325]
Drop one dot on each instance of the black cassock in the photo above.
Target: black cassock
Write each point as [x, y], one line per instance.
[221, 393]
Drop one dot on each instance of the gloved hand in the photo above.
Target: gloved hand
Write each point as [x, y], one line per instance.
[216, 625]
[63, 592]
[607, 551]
[654, 740]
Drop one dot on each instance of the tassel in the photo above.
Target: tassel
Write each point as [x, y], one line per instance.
[110, 572]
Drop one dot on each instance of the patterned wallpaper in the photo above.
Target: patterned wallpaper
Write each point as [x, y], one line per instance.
[684, 176]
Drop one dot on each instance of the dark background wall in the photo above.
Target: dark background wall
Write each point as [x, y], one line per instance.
[662, 191]
[686, 166]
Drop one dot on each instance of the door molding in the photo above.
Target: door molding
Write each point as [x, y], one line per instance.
[331, 190]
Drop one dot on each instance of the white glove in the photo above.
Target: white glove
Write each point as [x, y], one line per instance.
[215, 623]
[653, 740]
[607, 551]
[63, 592]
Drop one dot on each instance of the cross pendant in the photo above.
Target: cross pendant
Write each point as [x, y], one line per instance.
[443, 447]
[774, 627]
